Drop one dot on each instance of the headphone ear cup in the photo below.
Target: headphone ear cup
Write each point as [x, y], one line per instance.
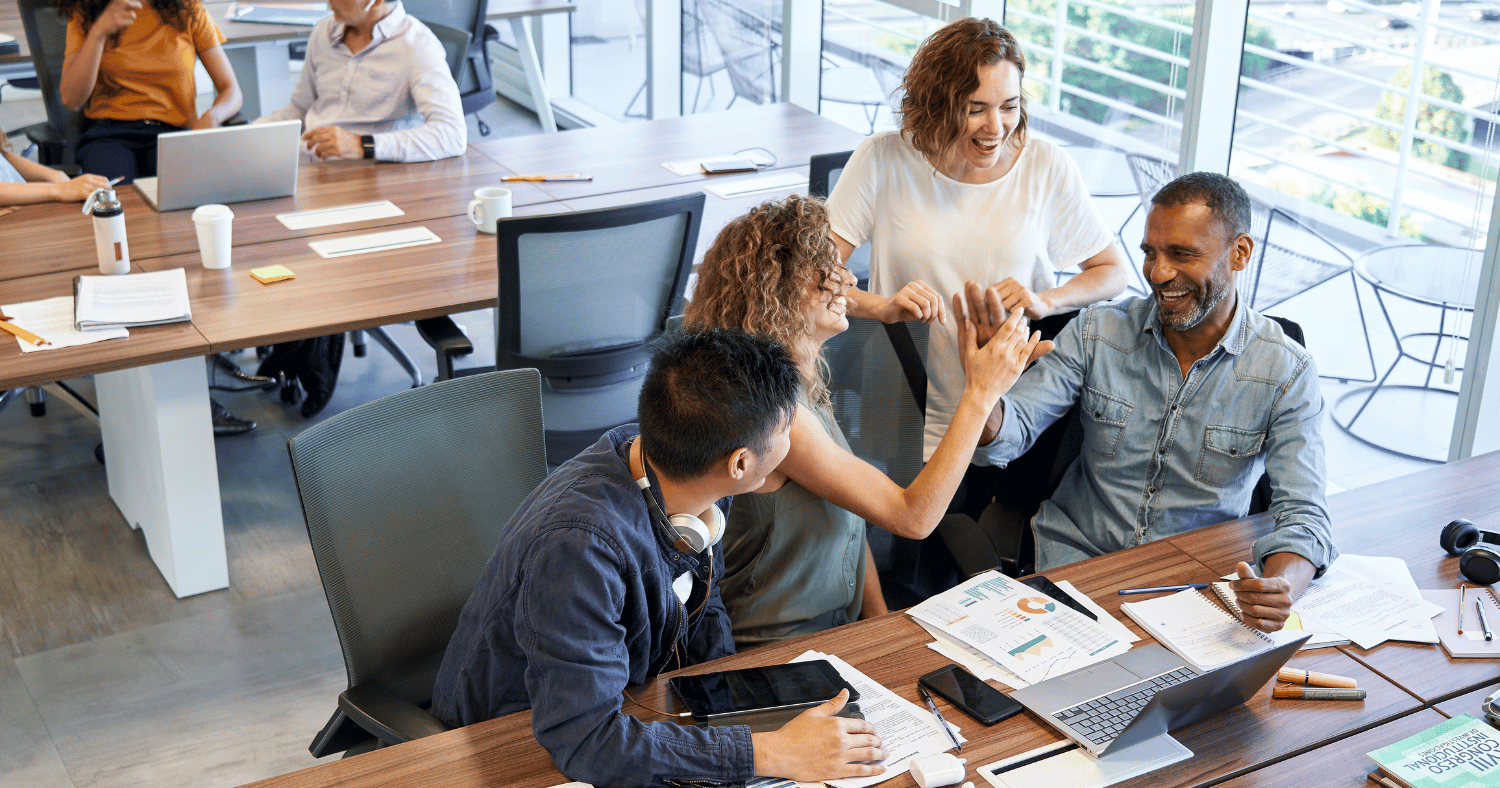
[1458, 536]
[1480, 565]
[692, 530]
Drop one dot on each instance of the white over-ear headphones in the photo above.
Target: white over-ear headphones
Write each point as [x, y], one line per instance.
[693, 535]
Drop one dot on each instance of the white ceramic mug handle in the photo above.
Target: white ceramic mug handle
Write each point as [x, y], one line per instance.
[475, 219]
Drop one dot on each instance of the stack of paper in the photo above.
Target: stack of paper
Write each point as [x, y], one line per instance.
[103, 302]
[1368, 600]
[906, 731]
[1022, 630]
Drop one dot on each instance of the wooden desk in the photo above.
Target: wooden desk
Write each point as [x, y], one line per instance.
[58, 237]
[1409, 512]
[629, 157]
[892, 650]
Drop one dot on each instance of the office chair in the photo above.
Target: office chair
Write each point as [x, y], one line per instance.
[877, 384]
[405, 499]
[1000, 536]
[750, 44]
[46, 35]
[476, 82]
[701, 58]
[823, 172]
[581, 296]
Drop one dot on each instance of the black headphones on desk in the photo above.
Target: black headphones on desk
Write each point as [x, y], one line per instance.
[1477, 561]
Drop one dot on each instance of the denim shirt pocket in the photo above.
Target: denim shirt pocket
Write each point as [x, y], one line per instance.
[1106, 416]
[1228, 454]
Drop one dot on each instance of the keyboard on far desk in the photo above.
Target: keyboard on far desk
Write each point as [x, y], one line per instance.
[1102, 719]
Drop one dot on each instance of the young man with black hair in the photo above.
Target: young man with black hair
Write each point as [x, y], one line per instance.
[1186, 396]
[592, 589]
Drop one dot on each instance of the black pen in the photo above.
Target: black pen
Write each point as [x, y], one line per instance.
[1163, 589]
[946, 727]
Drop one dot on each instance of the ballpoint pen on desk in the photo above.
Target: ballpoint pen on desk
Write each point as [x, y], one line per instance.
[1163, 589]
[548, 178]
[941, 721]
[1463, 593]
[1484, 623]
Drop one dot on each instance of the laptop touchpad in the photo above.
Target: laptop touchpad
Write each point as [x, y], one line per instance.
[1099, 680]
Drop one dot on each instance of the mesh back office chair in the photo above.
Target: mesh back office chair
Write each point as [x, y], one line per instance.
[581, 296]
[701, 57]
[405, 499]
[1281, 265]
[822, 173]
[1000, 537]
[476, 83]
[46, 35]
[750, 44]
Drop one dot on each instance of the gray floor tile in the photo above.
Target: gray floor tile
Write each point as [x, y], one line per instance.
[218, 698]
[27, 757]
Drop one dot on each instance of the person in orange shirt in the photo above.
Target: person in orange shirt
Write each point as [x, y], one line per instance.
[129, 66]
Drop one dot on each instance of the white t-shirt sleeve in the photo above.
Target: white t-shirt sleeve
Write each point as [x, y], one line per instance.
[851, 202]
[1077, 230]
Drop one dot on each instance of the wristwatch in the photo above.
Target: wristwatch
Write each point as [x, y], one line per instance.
[368, 141]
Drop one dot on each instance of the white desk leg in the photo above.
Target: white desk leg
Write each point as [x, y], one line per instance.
[264, 71]
[163, 474]
[532, 68]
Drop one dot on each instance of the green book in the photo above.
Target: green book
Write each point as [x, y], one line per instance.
[1463, 752]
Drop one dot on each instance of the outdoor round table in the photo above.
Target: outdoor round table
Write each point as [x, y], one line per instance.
[1438, 276]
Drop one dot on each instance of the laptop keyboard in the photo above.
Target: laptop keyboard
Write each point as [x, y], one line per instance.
[1101, 719]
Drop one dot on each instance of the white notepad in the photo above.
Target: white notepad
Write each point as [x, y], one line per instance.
[374, 242]
[1196, 629]
[342, 214]
[125, 300]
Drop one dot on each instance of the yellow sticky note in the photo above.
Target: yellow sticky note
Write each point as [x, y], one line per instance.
[272, 273]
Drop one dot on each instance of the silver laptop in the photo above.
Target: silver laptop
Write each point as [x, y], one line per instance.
[1145, 693]
[224, 165]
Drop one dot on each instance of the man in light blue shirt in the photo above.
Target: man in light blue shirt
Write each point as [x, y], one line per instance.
[1186, 396]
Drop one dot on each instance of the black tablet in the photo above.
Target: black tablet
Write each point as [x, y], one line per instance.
[795, 685]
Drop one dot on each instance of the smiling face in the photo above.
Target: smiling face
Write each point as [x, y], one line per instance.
[992, 114]
[1190, 260]
[826, 306]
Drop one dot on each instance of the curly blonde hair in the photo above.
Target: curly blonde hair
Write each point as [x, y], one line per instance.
[754, 276]
[944, 73]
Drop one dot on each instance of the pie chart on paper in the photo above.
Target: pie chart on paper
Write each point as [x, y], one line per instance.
[1036, 605]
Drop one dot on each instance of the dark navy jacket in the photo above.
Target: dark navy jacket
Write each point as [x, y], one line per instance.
[577, 604]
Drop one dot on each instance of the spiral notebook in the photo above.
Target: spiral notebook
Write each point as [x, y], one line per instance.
[1205, 635]
[1294, 621]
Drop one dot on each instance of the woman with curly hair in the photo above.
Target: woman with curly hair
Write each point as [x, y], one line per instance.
[128, 66]
[794, 551]
[962, 193]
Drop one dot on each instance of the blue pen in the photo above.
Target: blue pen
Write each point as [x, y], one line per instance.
[1163, 589]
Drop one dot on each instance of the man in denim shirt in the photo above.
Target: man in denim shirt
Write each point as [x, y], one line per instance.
[1186, 396]
[589, 590]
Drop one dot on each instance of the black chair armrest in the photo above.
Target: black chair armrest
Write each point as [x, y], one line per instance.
[444, 336]
[389, 718]
[994, 542]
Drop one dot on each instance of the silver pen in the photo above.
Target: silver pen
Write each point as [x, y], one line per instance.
[1484, 623]
[943, 722]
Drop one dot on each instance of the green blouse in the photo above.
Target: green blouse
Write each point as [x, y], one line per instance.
[794, 563]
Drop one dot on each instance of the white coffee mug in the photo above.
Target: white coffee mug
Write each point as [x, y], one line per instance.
[214, 223]
[489, 204]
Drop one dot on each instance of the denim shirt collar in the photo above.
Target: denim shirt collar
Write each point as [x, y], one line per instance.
[383, 29]
[1236, 334]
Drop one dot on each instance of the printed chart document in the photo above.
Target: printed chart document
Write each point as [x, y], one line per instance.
[1202, 633]
[906, 731]
[1071, 767]
[342, 214]
[130, 300]
[1346, 602]
[982, 666]
[52, 319]
[1023, 630]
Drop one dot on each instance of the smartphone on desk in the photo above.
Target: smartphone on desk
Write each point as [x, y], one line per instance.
[970, 694]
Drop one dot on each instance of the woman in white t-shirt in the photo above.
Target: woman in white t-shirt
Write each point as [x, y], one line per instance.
[960, 195]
